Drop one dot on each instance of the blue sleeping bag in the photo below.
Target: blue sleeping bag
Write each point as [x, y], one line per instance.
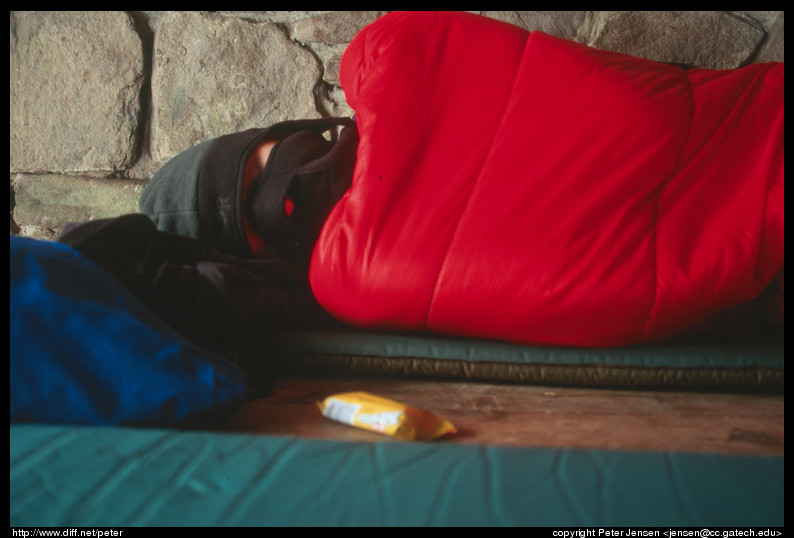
[85, 351]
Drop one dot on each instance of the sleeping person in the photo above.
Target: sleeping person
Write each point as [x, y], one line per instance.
[574, 197]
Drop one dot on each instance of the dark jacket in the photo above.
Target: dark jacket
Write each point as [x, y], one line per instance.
[223, 303]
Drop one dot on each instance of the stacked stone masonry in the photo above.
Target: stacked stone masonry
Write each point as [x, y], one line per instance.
[101, 100]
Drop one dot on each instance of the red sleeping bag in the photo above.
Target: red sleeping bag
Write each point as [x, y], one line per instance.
[522, 187]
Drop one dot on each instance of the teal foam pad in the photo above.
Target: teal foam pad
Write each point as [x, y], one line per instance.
[82, 476]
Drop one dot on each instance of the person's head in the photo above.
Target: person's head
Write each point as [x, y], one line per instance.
[256, 193]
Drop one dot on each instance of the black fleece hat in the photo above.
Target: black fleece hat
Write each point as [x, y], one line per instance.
[199, 193]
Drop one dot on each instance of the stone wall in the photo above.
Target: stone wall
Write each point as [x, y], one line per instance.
[100, 100]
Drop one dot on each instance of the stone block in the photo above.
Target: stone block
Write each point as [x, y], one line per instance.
[49, 202]
[772, 48]
[216, 75]
[710, 39]
[75, 84]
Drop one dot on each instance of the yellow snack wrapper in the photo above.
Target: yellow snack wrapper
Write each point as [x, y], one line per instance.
[370, 412]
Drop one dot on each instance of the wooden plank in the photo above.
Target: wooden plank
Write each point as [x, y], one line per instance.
[533, 416]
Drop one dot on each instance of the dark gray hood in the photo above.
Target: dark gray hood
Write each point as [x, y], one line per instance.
[199, 193]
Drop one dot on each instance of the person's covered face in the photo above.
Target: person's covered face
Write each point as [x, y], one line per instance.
[291, 185]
